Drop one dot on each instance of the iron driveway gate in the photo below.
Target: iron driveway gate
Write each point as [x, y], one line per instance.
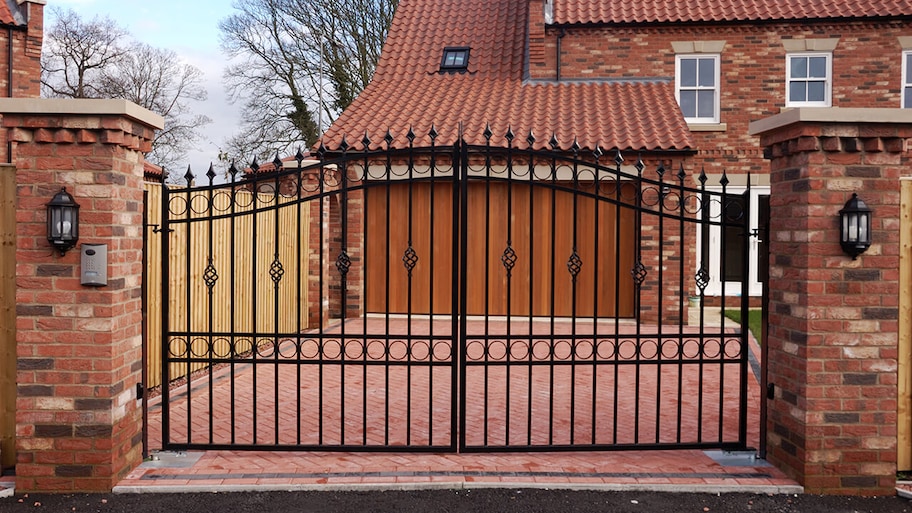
[453, 297]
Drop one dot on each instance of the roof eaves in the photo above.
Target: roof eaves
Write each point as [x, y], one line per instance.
[603, 80]
[727, 22]
[18, 17]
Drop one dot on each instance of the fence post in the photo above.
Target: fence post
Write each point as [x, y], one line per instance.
[7, 316]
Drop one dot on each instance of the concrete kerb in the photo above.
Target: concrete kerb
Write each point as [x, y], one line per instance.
[386, 487]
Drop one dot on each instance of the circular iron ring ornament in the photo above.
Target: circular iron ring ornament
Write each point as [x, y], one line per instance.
[178, 347]
[310, 349]
[177, 205]
[331, 349]
[287, 344]
[611, 349]
[420, 351]
[221, 348]
[199, 347]
[221, 202]
[733, 343]
[496, 350]
[398, 350]
[524, 350]
[266, 348]
[648, 349]
[354, 349]
[475, 351]
[446, 354]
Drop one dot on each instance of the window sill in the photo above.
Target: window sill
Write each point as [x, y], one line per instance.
[707, 127]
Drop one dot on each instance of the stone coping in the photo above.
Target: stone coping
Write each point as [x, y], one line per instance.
[83, 107]
[829, 115]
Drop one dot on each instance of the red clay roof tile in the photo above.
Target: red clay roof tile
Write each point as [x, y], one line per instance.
[658, 11]
[6, 15]
[408, 91]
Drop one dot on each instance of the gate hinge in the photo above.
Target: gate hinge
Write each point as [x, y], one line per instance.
[140, 391]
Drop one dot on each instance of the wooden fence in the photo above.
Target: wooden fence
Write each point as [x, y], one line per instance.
[904, 393]
[7, 316]
[244, 298]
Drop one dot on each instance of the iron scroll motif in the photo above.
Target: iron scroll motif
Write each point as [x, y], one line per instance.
[410, 259]
[210, 275]
[508, 259]
[639, 273]
[574, 264]
[343, 263]
[702, 278]
[276, 271]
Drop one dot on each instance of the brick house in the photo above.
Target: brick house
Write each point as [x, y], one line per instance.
[22, 22]
[671, 81]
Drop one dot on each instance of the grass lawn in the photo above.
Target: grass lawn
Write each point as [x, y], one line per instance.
[754, 321]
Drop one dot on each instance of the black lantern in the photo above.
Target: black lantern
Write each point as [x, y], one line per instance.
[855, 221]
[62, 221]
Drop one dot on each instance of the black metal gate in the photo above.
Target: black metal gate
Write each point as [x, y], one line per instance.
[454, 297]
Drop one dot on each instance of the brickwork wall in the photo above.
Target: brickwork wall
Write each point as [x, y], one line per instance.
[867, 69]
[833, 320]
[27, 55]
[79, 348]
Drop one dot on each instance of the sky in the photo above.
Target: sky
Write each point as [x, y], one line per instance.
[190, 29]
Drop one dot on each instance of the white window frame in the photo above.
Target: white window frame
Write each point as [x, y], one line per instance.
[828, 80]
[905, 83]
[714, 288]
[715, 87]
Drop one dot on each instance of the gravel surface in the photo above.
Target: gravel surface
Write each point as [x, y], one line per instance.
[441, 501]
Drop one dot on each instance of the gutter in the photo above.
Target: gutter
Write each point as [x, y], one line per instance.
[678, 23]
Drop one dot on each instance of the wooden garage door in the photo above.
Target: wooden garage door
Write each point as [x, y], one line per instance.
[520, 241]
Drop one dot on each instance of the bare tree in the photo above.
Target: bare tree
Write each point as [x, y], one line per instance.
[77, 52]
[298, 63]
[155, 79]
[97, 59]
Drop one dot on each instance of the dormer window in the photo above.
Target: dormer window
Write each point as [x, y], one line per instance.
[455, 59]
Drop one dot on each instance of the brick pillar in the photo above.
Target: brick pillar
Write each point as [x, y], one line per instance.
[79, 348]
[834, 321]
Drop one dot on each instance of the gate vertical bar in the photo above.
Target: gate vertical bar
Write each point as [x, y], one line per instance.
[254, 287]
[232, 316]
[188, 298]
[661, 312]
[365, 231]
[300, 298]
[574, 266]
[144, 293]
[745, 313]
[342, 265]
[461, 165]
[763, 274]
[431, 291]
[408, 304]
[276, 271]
[210, 280]
[165, 309]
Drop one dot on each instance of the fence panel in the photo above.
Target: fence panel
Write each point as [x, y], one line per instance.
[191, 250]
[7, 316]
[904, 392]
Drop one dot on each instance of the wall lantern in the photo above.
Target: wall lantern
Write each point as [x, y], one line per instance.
[62, 221]
[855, 220]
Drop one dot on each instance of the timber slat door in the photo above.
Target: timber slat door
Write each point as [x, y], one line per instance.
[540, 216]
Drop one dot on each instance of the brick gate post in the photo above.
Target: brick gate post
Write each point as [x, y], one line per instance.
[79, 348]
[833, 330]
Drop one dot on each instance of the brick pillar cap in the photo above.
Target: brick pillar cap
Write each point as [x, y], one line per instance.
[829, 115]
[82, 107]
